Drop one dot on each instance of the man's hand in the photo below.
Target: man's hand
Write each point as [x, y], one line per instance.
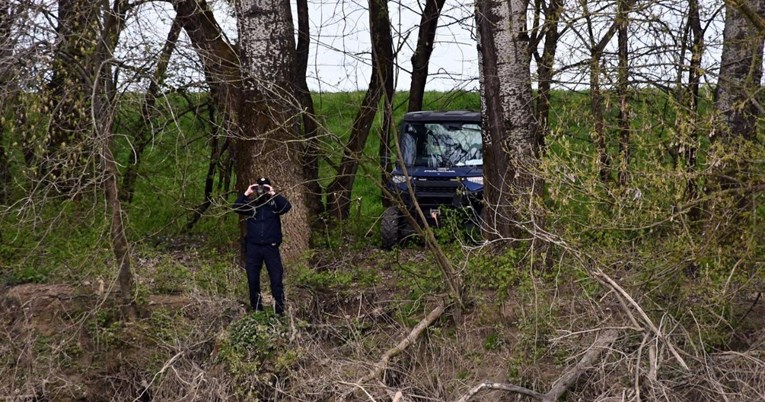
[269, 190]
[250, 190]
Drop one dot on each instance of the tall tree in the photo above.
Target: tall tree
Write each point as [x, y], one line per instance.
[424, 48]
[69, 93]
[545, 62]
[310, 127]
[511, 188]
[381, 82]
[736, 113]
[6, 54]
[268, 142]
[622, 20]
[103, 104]
[220, 61]
[740, 74]
[597, 47]
[688, 98]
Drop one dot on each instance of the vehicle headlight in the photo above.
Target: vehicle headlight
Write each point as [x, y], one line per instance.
[397, 179]
[476, 180]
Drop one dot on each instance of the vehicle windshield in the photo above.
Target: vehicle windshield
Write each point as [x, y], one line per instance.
[441, 145]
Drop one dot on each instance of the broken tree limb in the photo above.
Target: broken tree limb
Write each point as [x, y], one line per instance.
[598, 273]
[563, 383]
[381, 365]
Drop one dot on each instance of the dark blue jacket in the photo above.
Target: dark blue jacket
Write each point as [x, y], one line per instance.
[263, 223]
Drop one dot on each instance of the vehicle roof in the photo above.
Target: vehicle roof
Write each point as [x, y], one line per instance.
[452, 115]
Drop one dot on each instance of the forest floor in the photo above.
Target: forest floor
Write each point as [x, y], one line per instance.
[67, 342]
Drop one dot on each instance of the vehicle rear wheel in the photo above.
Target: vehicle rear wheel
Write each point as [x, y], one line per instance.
[389, 228]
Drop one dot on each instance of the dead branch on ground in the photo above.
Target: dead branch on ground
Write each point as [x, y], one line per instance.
[382, 364]
[563, 383]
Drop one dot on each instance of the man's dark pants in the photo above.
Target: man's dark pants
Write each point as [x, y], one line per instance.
[256, 255]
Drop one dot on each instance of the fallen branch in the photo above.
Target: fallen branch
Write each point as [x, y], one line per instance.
[598, 273]
[563, 383]
[381, 365]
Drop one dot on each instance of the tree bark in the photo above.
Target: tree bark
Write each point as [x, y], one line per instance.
[740, 74]
[736, 113]
[511, 189]
[268, 142]
[68, 95]
[424, 48]
[381, 81]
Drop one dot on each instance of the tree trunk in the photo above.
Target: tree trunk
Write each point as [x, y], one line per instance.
[6, 52]
[684, 155]
[311, 150]
[103, 109]
[268, 143]
[68, 95]
[220, 61]
[511, 189]
[421, 56]
[740, 74]
[545, 67]
[5, 173]
[384, 49]
[381, 81]
[735, 124]
[623, 118]
[596, 97]
[120, 245]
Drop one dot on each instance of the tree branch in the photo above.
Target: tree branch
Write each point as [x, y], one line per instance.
[563, 383]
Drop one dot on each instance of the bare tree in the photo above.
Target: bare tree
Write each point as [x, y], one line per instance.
[551, 34]
[421, 56]
[268, 142]
[688, 98]
[623, 118]
[510, 143]
[381, 82]
[311, 151]
[6, 54]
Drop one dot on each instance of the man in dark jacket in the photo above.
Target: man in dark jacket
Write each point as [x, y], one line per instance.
[262, 207]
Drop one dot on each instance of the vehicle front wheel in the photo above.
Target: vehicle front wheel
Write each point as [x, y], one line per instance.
[389, 228]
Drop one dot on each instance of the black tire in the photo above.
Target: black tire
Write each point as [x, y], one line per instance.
[389, 228]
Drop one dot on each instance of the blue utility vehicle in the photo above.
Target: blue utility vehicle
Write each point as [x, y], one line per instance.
[442, 162]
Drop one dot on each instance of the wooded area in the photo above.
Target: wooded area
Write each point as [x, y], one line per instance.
[619, 251]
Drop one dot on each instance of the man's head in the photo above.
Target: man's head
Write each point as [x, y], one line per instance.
[263, 186]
